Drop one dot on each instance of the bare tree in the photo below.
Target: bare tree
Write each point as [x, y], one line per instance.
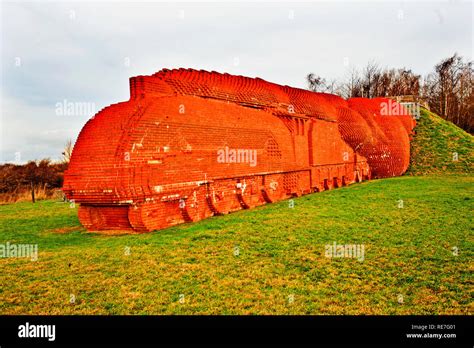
[370, 77]
[450, 91]
[67, 152]
[316, 83]
[351, 86]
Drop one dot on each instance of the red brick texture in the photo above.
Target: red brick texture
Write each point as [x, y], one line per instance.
[192, 144]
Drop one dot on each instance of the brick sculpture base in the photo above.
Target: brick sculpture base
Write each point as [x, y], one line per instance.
[192, 144]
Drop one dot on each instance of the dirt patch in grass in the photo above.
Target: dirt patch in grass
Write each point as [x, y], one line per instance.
[64, 230]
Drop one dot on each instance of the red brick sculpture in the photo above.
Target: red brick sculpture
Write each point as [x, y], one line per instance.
[192, 144]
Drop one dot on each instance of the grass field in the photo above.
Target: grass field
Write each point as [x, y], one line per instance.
[417, 234]
[439, 147]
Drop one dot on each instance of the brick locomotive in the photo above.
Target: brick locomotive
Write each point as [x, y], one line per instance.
[192, 144]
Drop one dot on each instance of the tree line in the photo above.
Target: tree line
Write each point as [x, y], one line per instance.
[447, 90]
[33, 180]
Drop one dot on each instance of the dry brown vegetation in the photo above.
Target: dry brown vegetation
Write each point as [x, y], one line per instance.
[41, 178]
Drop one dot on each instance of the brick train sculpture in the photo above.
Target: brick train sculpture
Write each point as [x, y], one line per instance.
[192, 144]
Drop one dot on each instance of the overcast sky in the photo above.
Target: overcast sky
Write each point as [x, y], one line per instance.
[57, 52]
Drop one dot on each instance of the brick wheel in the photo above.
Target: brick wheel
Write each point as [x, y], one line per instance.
[328, 184]
[273, 188]
[222, 197]
[84, 216]
[96, 218]
[150, 216]
[195, 206]
[249, 193]
[337, 182]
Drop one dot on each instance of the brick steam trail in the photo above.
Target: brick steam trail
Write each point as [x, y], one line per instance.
[192, 144]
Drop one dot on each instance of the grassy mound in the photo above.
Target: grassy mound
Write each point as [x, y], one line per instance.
[440, 147]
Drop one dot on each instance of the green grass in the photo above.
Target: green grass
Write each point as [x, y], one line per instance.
[435, 145]
[408, 252]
